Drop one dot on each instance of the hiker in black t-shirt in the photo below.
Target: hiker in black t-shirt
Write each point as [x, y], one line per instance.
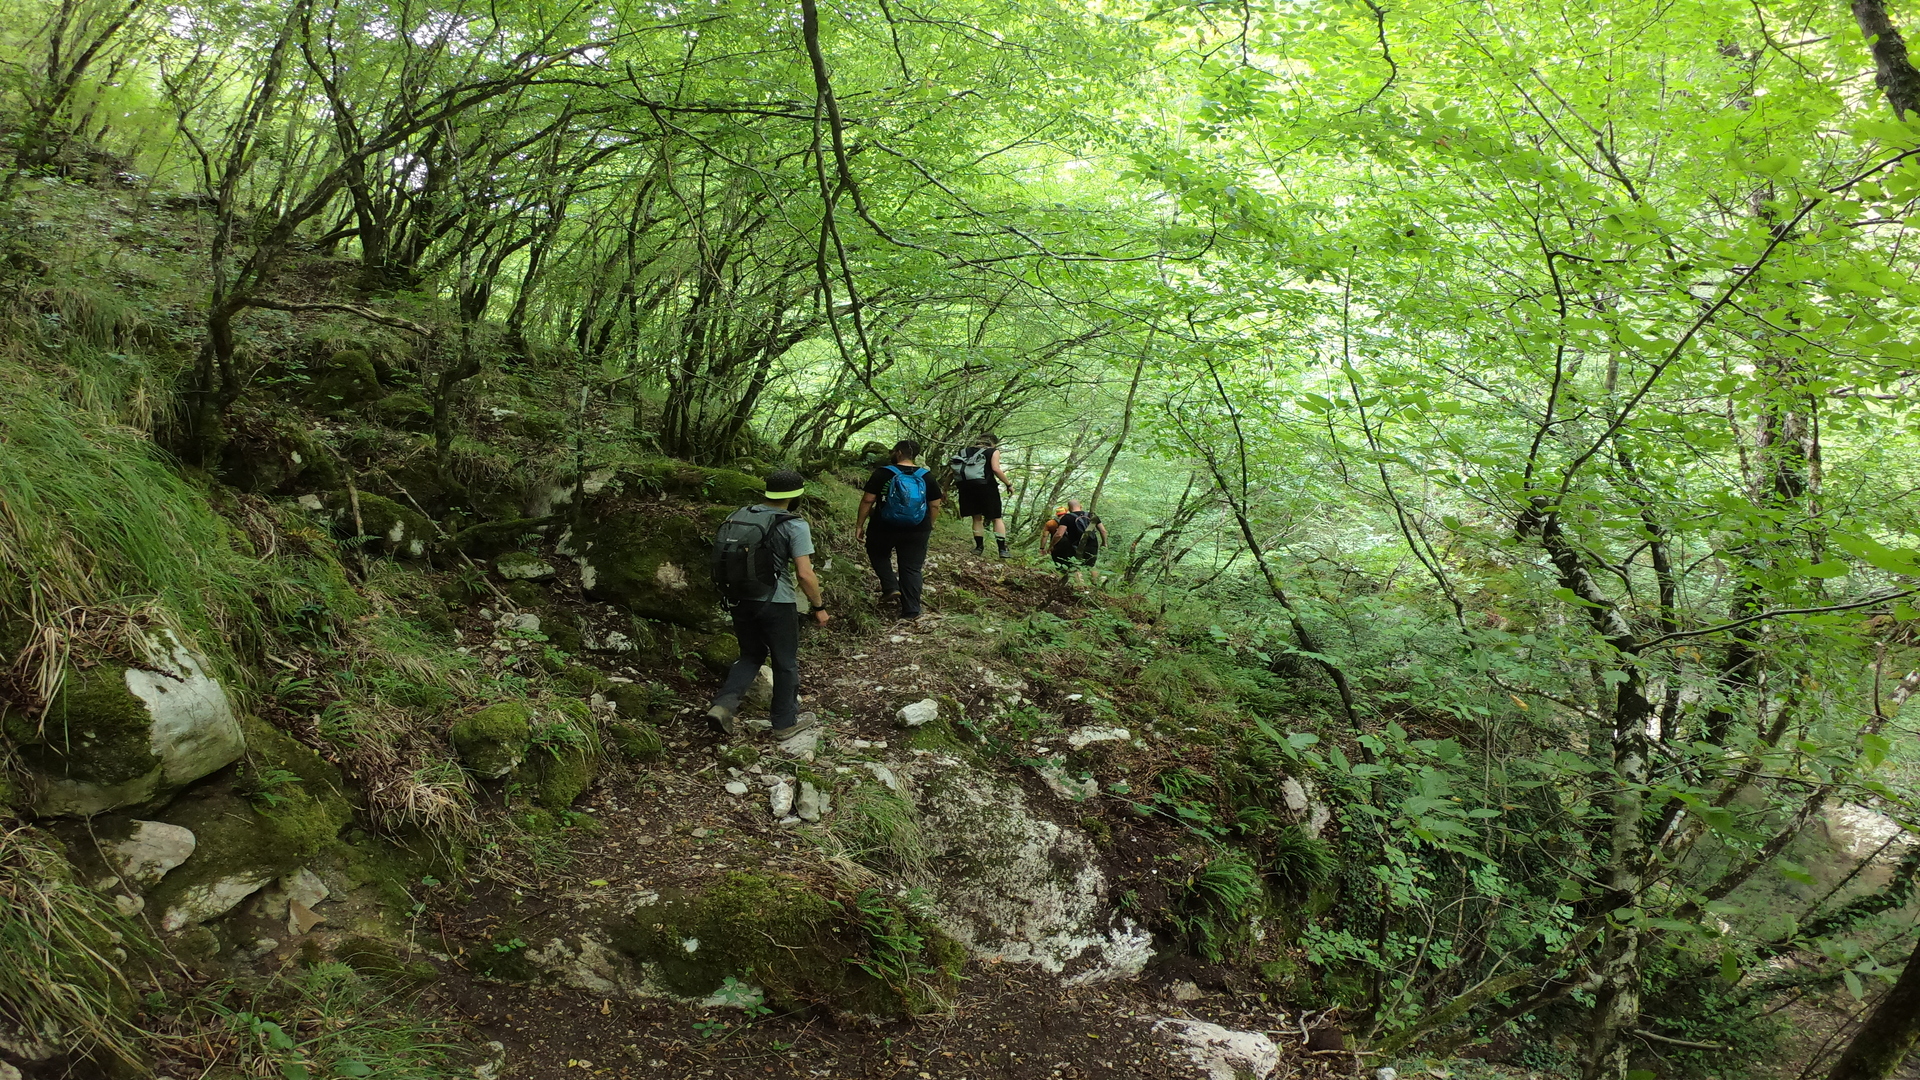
[979, 476]
[897, 513]
[1076, 538]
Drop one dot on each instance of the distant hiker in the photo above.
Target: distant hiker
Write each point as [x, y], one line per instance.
[758, 556]
[1076, 537]
[974, 471]
[903, 501]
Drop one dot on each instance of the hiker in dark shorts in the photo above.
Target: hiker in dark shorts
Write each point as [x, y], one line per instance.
[979, 476]
[771, 568]
[897, 513]
[1076, 538]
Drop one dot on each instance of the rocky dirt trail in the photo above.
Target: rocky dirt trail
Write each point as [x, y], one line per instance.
[704, 813]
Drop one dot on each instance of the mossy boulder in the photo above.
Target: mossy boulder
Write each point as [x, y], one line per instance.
[490, 539]
[116, 735]
[389, 528]
[638, 741]
[637, 701]
[776, 932]
[346, 379]
[667, 476]
[655, 566]
[406, 411]
[242, 844]
[583, 679]
[559, 775]
[718, 652]
[274, 455]
[494, 741]
[522, 566]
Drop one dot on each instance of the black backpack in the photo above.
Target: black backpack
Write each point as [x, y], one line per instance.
[746, 567]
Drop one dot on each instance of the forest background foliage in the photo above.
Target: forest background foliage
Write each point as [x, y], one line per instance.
[1536, 378]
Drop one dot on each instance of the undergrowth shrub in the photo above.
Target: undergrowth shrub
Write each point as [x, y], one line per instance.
[325, 1021]
[1218, 903]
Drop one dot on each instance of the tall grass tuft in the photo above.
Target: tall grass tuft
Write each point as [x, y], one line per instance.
[92, 519]
[63, 942]
[880, 829]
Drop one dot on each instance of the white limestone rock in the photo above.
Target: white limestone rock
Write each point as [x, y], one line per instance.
[810, 806]
[1222, 1053]
[1014, 886]
[760, 694]
[1053, 773]
[780, 799]
[213, 899]
[1087, 736]
[131, 735]
[920, 713]
[150, 850]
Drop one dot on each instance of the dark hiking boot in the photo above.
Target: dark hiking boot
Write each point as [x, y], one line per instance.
[800, 723]
[1002, 541]
[724, 718]
[979, 545]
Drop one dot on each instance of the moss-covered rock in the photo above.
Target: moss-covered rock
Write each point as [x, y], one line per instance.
[346, 379]
[406, 411]
[489, 539]
[670, 477]
[243, 844]
[274, 454]
[638, 741]
[583, 679]
[801, 947]
[561, 774]
[390, 529]
[637, 701]
[718, 652]
[117, 736]
[522, 566]
[495, 740]
[654, 566]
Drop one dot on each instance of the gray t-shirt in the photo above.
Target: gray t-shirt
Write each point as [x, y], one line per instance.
[790, 541]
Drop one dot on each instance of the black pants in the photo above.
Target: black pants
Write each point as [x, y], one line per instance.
[911, 548]
[768, 634]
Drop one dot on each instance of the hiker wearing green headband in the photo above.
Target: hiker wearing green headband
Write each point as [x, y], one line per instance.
[761, 553]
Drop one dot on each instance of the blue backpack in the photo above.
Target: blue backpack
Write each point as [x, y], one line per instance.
[905, 500]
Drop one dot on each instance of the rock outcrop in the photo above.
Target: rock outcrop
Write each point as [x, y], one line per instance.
[117, 735]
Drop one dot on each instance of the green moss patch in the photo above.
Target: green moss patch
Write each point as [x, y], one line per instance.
[345, 380]
[494, 740]
[493, 538]
[803, 948]
[405, 411]
[638, 741]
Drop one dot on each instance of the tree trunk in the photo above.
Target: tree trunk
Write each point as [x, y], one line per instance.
[1890, 1032]
[1893, 72]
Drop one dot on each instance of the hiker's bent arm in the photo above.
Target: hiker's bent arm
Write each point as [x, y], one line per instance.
[1000, 470]
[809, 583]
[933, 512]
[866, 507]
